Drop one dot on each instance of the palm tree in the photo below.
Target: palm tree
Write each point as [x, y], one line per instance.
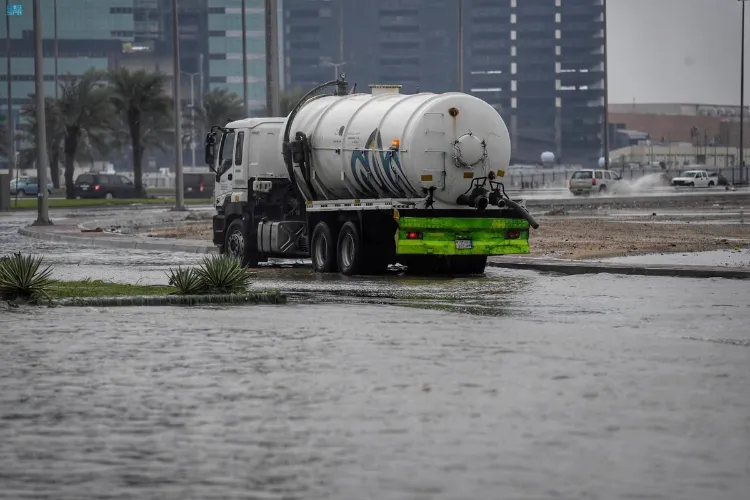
[55, 130]
[218, 107]
[139, 99]
[86, 111]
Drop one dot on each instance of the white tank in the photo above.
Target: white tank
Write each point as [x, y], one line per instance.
[389, 145]
[548, 158]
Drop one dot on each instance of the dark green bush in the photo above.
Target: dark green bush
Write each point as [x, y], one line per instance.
[22, 278]
[221, 275]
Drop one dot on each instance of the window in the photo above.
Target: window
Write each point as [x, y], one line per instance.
[606, 175]
[104, 180]
[226, 147]
[85, 179]
[598, 175]
[581, 175]
[31, 180]
[115, 180]
[238, 148]
[126, 181]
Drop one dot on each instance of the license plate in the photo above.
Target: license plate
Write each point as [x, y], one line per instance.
[463, 245]
[84, 187]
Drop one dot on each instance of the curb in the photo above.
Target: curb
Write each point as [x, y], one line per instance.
[126, 243]
[641, 201]
[573, 268]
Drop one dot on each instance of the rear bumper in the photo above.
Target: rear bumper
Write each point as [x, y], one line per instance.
[437, 235]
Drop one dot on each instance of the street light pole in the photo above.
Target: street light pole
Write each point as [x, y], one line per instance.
[192, 113]
[742, 94]
[460, 68]
[244, 60]
[606, 95]
[11, 119]
[179, 194]
[272, 58]
[56, 49]
[41, 134]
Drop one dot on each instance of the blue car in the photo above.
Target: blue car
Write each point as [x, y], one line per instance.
[27, 186]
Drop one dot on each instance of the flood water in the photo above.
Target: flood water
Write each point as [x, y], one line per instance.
[518, 385]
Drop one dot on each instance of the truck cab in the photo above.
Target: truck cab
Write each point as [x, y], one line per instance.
[243, 153]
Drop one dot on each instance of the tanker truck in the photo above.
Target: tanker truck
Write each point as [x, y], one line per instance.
[359, 181]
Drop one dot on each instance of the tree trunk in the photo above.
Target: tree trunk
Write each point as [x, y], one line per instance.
[54, 167]
[71, 145]
[134, 123]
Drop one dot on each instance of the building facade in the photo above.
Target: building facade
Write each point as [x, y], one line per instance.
[137, 34]
[540, 63]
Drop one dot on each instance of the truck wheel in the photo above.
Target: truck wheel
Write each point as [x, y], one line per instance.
[711, 184]
[350, 251]
[468, 264]
[237, 246]
[323, 249]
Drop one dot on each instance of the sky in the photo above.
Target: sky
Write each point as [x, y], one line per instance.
[677, 51]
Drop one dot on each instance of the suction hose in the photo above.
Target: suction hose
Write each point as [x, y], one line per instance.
[524, 213]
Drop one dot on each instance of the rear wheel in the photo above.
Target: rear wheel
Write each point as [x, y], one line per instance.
[692, 185]
[711, 184]
[602, 189]
[350, 252]
[238, 246]
[323, 249]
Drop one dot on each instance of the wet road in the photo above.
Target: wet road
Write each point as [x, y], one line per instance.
[516, 385]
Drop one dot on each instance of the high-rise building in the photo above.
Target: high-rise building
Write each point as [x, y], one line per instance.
[137, 34]
[409, 42]
[539, 63]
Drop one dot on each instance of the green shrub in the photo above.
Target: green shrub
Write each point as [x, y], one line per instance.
[22, 278]
[221, 275]
[186, 281]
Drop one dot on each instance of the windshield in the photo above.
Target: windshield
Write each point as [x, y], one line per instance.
[586, 174]
[690, 173]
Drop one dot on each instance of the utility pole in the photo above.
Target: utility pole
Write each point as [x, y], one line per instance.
[272, 59]
[56, 50]
[244, 60]
[192, 113]
[742, 94]
[41, 137]
[460, 68]
[606, 95]
[179, 194]
[11, 119]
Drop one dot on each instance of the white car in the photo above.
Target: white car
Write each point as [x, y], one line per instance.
[693, 178]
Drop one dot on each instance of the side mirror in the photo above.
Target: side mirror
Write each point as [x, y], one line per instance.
[210, 150]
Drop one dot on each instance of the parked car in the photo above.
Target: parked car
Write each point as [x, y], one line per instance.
[718, 179]
[27, 186]
[693, 178]
[593, 181]
[199, 185]
[104, 186]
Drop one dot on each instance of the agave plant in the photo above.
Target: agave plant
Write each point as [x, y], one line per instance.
[22, 278]
[221, 275]
[186, 281]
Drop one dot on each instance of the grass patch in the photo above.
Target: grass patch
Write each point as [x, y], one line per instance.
[98, 288]
[30, 203]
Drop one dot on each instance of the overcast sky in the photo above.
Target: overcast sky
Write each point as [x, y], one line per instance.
[677, 51]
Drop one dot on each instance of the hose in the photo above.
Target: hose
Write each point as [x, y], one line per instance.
[524, 213]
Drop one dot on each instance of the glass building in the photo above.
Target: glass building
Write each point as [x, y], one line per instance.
[137, 34]
[539, 63]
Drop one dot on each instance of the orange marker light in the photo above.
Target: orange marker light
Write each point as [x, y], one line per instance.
[395, 143]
